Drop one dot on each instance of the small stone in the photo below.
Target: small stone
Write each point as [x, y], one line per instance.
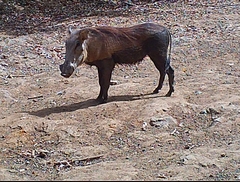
[144, 126]
[114, 82]
[223, 155]
[197, 92]
[181, 124]
[203, 112]
[21, 170]
[202, 164]
[61, 92]
[162, 176]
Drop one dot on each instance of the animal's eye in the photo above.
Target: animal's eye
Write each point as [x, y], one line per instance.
[78, 44]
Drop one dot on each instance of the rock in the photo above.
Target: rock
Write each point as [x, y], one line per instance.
[159, 123]
[162, 122]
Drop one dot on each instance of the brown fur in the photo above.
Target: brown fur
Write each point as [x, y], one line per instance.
[106, 46]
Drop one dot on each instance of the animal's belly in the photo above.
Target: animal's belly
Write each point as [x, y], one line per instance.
[129, 56]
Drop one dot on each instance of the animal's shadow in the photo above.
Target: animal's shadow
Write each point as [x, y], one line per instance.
[89, 103]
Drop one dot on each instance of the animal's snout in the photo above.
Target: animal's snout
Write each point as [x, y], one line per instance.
[66, 71]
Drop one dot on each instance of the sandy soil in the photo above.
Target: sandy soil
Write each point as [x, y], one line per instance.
[52, 129]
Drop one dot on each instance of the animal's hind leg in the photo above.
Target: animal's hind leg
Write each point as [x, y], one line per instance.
[160, 83]
[170, 73]
[159, 62]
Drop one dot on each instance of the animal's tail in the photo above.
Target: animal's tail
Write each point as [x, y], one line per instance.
[168, 51]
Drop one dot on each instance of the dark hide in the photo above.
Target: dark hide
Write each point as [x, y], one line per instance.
[106, 46]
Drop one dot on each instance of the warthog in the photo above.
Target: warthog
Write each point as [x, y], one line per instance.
[105, 46]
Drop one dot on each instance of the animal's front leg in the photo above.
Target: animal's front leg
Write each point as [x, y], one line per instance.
[105, 68]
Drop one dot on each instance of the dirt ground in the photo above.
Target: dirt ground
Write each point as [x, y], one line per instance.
[52, 129]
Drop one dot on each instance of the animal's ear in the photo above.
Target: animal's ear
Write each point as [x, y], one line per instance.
[70, 29]
[83, 34]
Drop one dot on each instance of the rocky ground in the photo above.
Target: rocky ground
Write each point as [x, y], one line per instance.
[52, 129]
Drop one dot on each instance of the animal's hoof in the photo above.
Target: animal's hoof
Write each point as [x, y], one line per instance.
[168, 94]
[155, 91]
[101, 100]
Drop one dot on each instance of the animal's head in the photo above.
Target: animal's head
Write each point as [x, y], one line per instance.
[76, 51]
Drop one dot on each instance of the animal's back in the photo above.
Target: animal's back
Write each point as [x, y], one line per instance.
[134, 33]
[130, 44]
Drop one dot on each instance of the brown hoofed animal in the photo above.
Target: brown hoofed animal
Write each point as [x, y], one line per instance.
[105, 46]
